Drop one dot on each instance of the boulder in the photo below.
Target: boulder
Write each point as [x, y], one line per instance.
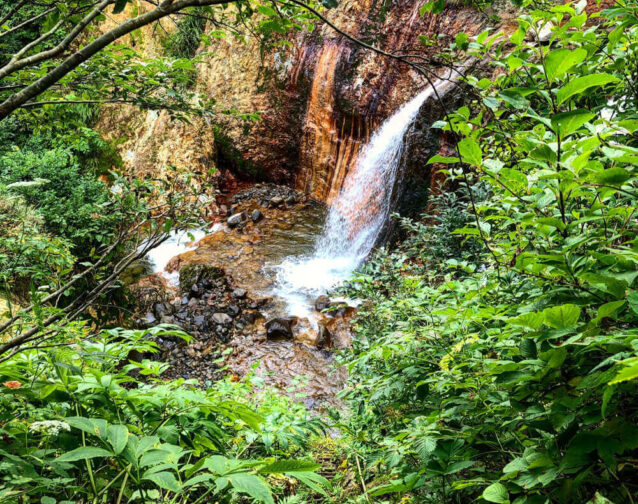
[280, 328]
[322, 303]
[222, 319]
[235, 219]
[324, 338]
[197, 273]
[256, 216]
[239, 293]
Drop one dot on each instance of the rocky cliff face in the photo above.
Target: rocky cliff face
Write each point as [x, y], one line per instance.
[320, 99]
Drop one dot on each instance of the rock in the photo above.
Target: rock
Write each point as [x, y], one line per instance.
[256, 216]
[239, 293]
[235, 219]
[291, 200]
[251, 317]
[197, 273]
[167, 319]
[222, 319]
[223, 209]
[198, 321]
[160, 309]
[150, 319]
[279, 328]
[276, 201]
[234, 310]
[322, 303]
[324, 338]
[194, 290]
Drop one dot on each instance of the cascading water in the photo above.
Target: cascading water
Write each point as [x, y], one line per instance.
[356, 217]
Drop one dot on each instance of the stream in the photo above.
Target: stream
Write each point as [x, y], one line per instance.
[295, 253]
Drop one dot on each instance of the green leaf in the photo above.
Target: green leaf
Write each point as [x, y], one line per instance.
[84, 452]
[609, 309]
[117, 436]
[558, 62]
[442, 159]
[567, 122]
[119, 6]
[628, 372]
[562, 317]
[251, 485]
[165, 480]
[267, 11]
[470, 152]
[532, 320]
[528, 349]
[632, 299]
[283, 466]
[312, 480]
[496, 493]
[614, 176]
[581, 84]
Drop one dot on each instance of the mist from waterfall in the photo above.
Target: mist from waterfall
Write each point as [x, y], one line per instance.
[357, 215]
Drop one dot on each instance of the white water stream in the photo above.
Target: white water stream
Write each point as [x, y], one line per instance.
[356, 218]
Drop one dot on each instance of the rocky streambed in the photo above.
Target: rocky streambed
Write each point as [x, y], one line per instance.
[222, 291]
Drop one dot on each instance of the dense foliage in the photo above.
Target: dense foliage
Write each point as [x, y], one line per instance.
[78, 427]
[495, 354]
[513, 378]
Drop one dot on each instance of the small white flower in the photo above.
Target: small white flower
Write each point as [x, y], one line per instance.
[51, 427]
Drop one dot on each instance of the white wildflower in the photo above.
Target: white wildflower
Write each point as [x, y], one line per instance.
[51, 427]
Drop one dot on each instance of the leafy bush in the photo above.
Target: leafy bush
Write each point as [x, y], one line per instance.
[76, 425]
[516, 381]
[28, 256]
[74, 205]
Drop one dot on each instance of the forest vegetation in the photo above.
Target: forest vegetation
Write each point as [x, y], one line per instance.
[494, 355]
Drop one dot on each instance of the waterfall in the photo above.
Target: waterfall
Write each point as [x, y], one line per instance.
[357, 215]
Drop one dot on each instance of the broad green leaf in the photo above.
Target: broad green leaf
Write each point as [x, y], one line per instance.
[496, 493]
[567, 122]
[629, 371]
[581, 84]
[251, 485]
[165, 480]
[528, 349]
[117, 436]
[84, 452]
[559, 61]
[532, 320]
[283, 466]
[614, 176]
[470, 151]
[609, 309]
[442, 159]
[312, 480]
[632, 299]
[562, 317]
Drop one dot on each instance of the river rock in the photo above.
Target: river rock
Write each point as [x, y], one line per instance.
[235, 219]
[276, 201]
[222, 319]
[198, 321]
[324, 338]
[239, 293]
[198, 273]
[279, 328]
[256, 216]
[322, 303]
